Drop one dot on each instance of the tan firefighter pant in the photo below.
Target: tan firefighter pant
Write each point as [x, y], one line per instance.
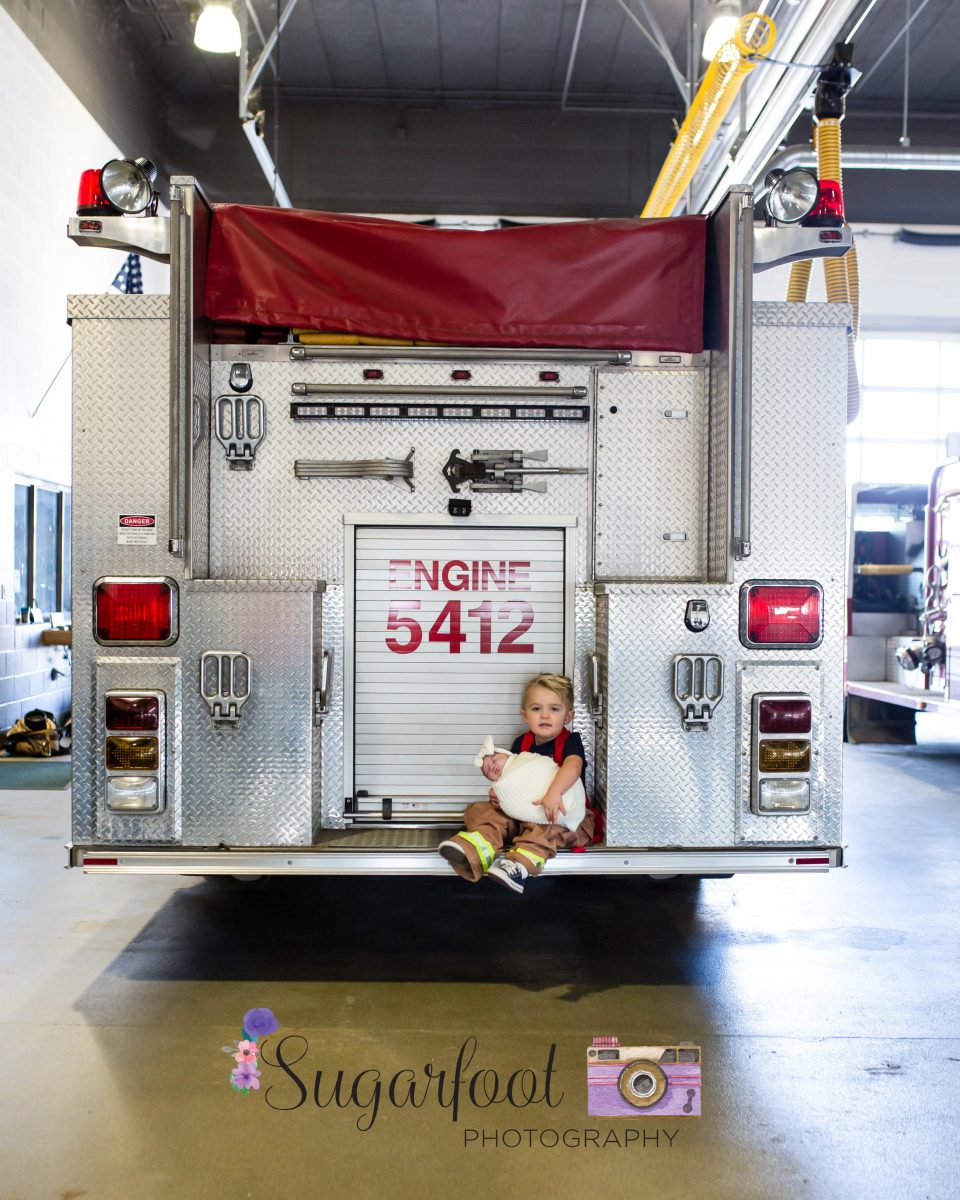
[488, 830]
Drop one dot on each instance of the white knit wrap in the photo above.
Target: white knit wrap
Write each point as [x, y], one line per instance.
[525, 779]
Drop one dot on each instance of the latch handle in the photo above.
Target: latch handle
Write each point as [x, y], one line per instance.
[596, 696]
[321, 694]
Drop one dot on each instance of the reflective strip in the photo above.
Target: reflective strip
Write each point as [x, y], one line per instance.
[484, 848]
[534, 858]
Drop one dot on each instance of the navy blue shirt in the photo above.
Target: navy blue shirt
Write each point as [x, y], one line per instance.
[573, 745]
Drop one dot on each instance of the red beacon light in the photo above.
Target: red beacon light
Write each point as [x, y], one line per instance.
[828, 211]
[122, 187]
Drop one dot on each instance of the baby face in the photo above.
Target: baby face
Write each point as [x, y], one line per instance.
[493, 765]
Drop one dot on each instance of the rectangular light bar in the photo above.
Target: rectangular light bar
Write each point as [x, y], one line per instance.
[307, 411]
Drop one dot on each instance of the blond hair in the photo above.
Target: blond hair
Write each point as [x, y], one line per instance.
[553, 683]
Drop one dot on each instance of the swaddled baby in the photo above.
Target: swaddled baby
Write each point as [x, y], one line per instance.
[519, 780]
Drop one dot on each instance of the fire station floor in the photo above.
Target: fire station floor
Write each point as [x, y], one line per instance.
[826, 1007]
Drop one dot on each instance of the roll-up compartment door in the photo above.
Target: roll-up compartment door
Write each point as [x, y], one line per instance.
[449, 623]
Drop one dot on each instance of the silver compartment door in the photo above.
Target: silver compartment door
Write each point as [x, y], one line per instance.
[253, 783]
[422, 702]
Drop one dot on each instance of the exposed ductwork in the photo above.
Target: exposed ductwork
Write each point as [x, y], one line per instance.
[871, 158]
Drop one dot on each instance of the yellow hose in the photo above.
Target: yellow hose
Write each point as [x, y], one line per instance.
[799, 280]
[734, 60]
[828, 167]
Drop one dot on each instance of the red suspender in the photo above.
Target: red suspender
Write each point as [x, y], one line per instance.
[527, 741]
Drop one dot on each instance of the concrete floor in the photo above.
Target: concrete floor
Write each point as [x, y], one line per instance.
[826, 1007]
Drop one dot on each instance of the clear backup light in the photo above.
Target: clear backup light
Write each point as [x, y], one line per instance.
[784, 795]
[786, 613]
[793, 195]
[130, 793]
[135, 611]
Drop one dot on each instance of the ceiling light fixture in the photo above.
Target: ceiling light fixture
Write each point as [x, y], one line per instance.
[217, 29]
[722, 27]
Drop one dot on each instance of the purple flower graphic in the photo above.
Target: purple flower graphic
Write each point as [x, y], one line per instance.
[244, 1076]
[258, 1022]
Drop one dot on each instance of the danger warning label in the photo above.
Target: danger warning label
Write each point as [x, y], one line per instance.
[137, 529]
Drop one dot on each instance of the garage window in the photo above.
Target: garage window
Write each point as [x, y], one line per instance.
[41, 540]
[910, 390]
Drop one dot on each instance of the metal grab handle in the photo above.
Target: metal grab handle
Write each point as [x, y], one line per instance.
[596, 695]
[742, 351]
[357, 468]
[446, 389]
[321, 695]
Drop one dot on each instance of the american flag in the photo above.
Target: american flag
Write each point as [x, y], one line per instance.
[128, 279]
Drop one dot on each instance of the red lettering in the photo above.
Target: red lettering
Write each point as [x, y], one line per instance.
[422, 572]
[489, 575]
[458, 583]
[517, 577]
[398, 573]
[408, 624]
[483, 611]
[509, 643]
[454, 639]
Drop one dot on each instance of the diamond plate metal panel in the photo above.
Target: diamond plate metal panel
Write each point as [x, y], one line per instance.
[252, 785]
[666, 787]
[138, 672]
[332, 790]
[116, 305]
[651, 474]
[779, 314]
[817, 825]
[120, 461]
[309, 539]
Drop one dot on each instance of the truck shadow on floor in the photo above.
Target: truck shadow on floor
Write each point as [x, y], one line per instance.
[584, 935]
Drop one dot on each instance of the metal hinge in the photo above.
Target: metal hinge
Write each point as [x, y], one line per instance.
[226, 679]
[697, 689]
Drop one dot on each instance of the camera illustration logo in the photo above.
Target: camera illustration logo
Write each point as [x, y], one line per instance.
[642, 1081]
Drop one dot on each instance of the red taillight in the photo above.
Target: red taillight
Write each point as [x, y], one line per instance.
[132, 712]
[781, 614]
[142, 610]
[549, 376]
[372, 373]
[785, 716]
[460, 374]
[829, 207]
[90, 198]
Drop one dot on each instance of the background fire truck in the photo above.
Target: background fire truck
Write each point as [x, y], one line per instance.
[903, 655]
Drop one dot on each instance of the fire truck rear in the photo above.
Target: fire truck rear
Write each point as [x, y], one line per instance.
[310, 577]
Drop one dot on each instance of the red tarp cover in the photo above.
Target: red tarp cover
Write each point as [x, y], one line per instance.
[608, 283]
